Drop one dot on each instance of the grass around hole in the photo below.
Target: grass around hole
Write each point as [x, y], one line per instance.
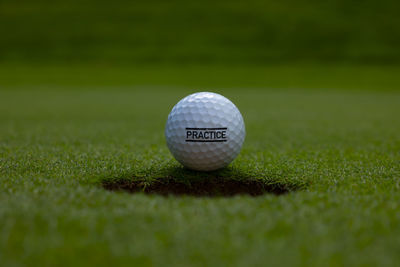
[338, 149]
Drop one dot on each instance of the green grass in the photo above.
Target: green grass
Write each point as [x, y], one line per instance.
[85, 90]
[61, 137]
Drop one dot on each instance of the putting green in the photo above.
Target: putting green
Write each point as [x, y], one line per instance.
[336, 151]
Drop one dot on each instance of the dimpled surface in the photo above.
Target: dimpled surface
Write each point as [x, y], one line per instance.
[205, 110]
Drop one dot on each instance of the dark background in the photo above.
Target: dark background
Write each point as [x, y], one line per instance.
[200, 32]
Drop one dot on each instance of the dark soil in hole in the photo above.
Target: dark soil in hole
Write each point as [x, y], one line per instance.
[186, 182]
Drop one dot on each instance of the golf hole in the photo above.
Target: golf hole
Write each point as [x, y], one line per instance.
[189, 183]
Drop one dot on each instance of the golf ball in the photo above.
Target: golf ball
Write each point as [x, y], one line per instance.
[205, 131]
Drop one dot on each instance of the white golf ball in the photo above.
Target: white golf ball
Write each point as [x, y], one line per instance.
[205, 131]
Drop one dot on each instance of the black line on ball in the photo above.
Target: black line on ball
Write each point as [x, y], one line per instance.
[206, 141]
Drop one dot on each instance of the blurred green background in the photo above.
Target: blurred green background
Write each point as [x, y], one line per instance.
[200, 32]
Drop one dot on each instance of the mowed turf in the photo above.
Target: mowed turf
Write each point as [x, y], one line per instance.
[335, 150]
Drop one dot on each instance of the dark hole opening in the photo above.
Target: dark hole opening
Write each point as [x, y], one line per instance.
[180, 181]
